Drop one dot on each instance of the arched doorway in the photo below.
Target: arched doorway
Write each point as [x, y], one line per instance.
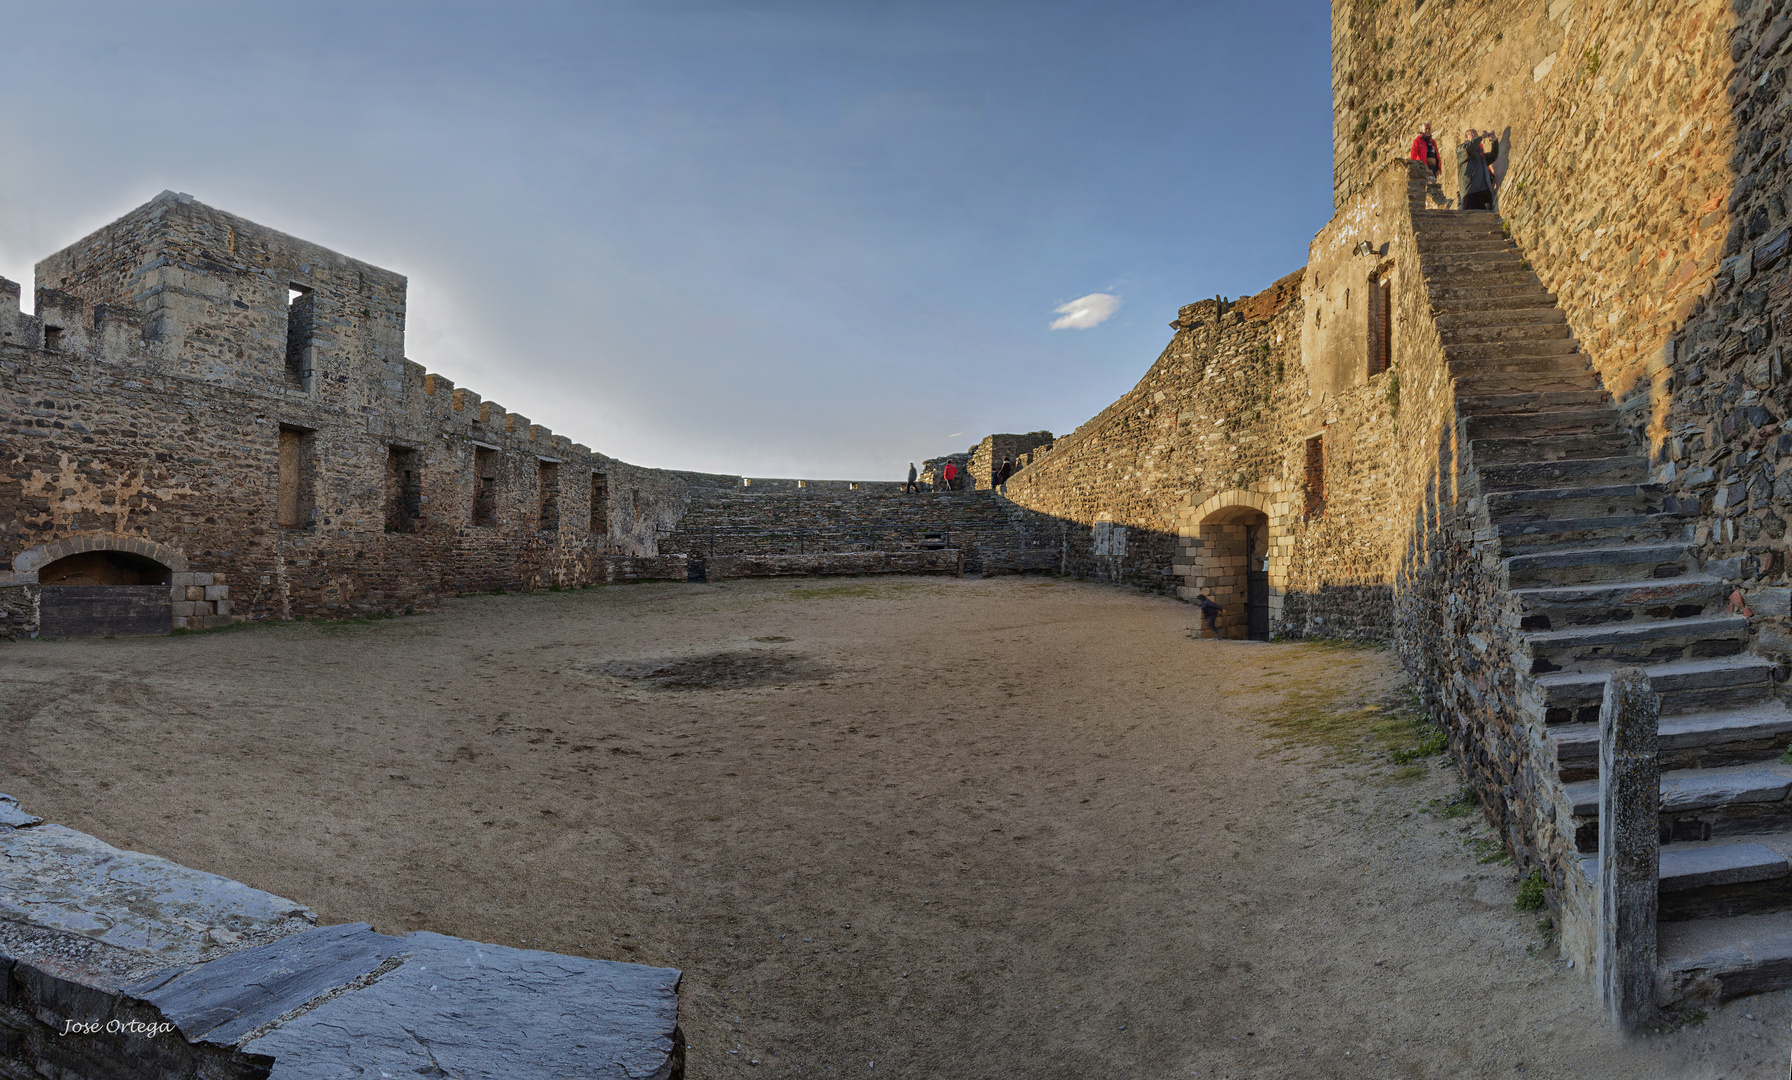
[1234, 553]
[95, 585]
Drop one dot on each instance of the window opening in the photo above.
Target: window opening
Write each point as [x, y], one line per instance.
[485, 486]
[298, 470]
[600, 505]
[404, 490]
[52, 338]
[1316, 476]
[300, 320]
[1381, 324]
[550, 496]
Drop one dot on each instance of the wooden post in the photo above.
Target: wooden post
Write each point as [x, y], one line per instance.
[1629, 847]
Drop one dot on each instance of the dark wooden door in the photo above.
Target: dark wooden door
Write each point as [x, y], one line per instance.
[1257, 604]
[98, 610]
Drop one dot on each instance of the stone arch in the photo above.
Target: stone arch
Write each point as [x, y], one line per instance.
[26, 564]
[1232, 551]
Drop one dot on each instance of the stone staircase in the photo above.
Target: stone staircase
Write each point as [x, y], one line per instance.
[1599, 572]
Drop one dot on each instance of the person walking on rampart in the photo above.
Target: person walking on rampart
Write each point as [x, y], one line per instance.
[1424, 148]
[912, 486]
[1474, 177]
[1003, 473]
[950, 472]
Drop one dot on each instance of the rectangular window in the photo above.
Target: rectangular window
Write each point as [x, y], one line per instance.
[600, 506]
[485, 486]
[1381, 324]
[404, 490]
[300, 321]
[296, 507]
[549, 486]
[52, 338]
[1316, 476]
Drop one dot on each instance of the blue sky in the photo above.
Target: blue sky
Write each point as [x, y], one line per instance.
[784, 239]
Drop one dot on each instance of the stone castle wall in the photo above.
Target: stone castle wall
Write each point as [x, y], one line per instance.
[201, 390]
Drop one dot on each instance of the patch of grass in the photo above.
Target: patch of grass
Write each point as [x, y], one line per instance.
[1530, 893]
[1488, 851]
[1464, 803]
[1786, 758]
[1395, 729]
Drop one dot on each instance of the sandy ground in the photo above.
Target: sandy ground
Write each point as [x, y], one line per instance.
[929, 827]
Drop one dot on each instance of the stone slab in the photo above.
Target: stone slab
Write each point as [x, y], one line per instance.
[1699, 789]
[225, 999]
[487, 1012]
[11, 817]
[1719, 959]
[65, 880]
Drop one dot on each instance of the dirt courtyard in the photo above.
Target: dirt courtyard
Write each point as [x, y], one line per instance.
[1019, 827]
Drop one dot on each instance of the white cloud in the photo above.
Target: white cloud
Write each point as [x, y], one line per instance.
[1086, 311]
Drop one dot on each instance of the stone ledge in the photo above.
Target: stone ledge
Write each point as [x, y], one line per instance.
[188, 974]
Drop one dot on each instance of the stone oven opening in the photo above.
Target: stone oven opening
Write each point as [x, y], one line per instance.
[104, 568]
[105, 593]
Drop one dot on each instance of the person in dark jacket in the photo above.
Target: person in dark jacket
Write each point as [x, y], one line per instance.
[1424, 148]
[1003, 473]
[1474, 178]
[911, 480]
[1210, 611]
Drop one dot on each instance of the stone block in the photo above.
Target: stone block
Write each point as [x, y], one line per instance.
[195, 592]
[201, 608]
[183, 609]
[180, 622]
[1775, 602]
[202, 579]
[217, 592]
[225, 607]
[217, 578]
[215, 621]
[181, 580]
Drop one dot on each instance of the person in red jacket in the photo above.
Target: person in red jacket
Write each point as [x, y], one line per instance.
[1424, 148]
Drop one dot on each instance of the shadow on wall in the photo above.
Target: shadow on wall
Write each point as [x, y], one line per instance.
[1223, 556]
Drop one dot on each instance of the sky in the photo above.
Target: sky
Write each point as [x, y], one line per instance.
[818, 239]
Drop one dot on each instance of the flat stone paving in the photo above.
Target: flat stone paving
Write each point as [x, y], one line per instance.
[234, 966]
[944, 828]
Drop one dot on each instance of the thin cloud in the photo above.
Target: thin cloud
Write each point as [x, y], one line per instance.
[1086, 311]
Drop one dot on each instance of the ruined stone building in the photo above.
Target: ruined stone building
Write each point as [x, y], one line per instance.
[1522, 448]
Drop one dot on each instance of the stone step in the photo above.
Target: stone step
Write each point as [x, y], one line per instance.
[1529, 402]
[1702, 961]
[1509, 350]
[1503, 332]
[1559, 607]
[1489, 285]
[1431, 246]
[1695, 741]
[1503, 315]
[1699, 804]
[1530, 537]
[1720, 879]
[1553, 422]
[1529, 382]
[1536, 475]
[1571, 503]
[1455, 266]
[1580, 566]
[1514, 298]
[1685, 686]
[1561, 365]
[1657, 641]
[1548, 448]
